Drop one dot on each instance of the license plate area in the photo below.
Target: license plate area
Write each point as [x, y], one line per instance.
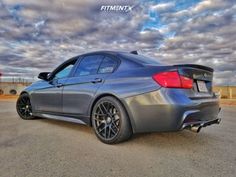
[202, 86]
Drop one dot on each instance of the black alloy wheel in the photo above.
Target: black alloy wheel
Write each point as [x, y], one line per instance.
[24, 107]
[110, 121]
[107, 120]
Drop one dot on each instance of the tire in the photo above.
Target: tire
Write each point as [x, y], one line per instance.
[24, 107]
[110, 121]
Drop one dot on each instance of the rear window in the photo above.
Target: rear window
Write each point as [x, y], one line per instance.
[141, 59]
[89, 65]
[108, 65]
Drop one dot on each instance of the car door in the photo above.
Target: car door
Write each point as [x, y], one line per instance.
[48, 97]
[89, 75]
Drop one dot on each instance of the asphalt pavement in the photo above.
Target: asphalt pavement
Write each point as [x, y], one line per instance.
[46, 148]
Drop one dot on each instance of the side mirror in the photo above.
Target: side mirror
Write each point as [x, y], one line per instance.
[44, 76]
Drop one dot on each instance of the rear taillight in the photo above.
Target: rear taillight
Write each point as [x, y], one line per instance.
[172, 79]
[186, 82]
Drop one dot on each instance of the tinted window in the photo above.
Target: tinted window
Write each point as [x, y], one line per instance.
[89, 65]
[65, 71]
[141, 59]
[108, 65]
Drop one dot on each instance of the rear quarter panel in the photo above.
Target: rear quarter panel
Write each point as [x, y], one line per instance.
[129, 83]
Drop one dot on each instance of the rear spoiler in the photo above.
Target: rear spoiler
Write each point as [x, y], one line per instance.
[196, 66]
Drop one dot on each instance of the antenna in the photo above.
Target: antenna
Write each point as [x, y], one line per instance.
[134, 52]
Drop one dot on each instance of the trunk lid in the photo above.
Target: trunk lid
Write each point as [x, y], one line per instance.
[202, 79]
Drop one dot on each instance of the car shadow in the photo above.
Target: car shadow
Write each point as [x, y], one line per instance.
[181, 139]
[177, 140]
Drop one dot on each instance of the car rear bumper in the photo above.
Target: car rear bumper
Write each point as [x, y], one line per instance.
[198, 125]
[170, 110]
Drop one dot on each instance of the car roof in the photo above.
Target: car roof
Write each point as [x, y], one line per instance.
[112, 52]
[131, 56]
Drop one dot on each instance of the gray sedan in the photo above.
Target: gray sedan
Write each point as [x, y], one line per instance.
[121, 93]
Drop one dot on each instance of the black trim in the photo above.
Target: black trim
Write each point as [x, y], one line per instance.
[134, 52]
[202, 97]
[201, 123]
[85, 119]
[196, 66]
[90, 54]
[60, 67]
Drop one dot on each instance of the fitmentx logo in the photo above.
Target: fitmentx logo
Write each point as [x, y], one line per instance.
[117, 8]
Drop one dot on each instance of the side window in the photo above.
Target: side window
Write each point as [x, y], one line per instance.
[89, 65]
[65, 71]
[108, 65]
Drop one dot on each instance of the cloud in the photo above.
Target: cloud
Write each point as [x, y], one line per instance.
[37, 36]
[163, 7]
[204, 35]
[211, 5]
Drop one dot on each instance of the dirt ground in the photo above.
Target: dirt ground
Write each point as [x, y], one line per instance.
[8, 97]
[53, 148]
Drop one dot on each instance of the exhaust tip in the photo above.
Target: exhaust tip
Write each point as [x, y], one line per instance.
[196, 129]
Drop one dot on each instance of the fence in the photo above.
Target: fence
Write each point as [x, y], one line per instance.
[15, 86]
[226, 92]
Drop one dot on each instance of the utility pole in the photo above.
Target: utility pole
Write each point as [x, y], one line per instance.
[1, 89]
[0, 77]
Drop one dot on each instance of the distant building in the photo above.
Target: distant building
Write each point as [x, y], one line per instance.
[13, 85]
[12, 88]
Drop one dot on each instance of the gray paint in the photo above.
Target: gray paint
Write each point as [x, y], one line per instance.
[167, 109]
[149, 106]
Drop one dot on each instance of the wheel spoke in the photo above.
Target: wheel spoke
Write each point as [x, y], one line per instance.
[98, 114]
[106, 120]
[110, 107]
[20, 104]
[97, 119]
[113, 123]
[116, 122]
[24, 107]
[113, 130]
[109, 132]
[99, 126]
[101, 110]
[24, 101]
[104, 108]
[101, 130]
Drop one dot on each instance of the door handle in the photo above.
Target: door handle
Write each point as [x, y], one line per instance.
[59, 85]
[96, 80]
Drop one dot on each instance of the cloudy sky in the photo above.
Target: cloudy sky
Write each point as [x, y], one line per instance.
[36, 36]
